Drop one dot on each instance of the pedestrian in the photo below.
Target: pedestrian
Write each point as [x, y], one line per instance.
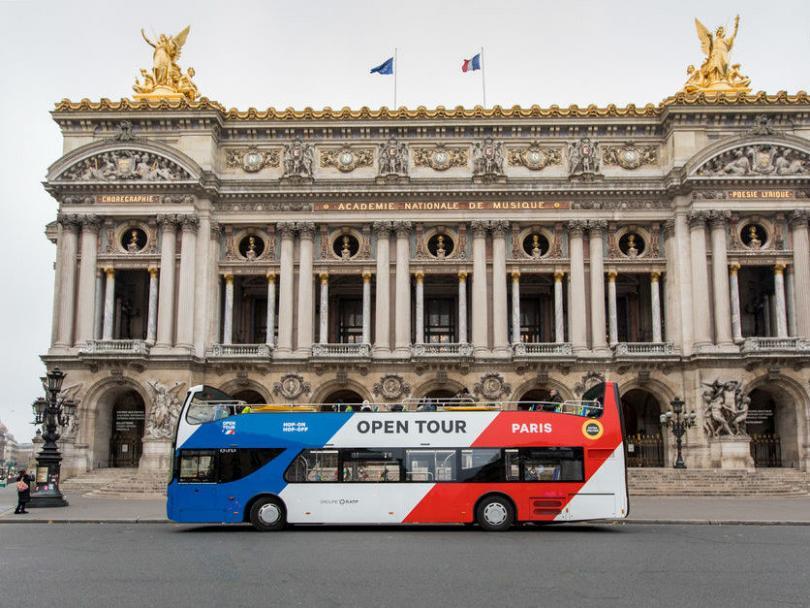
[23, 492]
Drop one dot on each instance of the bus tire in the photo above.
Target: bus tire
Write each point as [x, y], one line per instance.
[268, 514]
[495, 513]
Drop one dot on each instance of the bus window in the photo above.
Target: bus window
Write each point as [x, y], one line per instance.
[198, 466]
[552, 464]
[238, 463]
[314, 465]
[511, 464]
[481, 464]
[361, 465]
[430, 465]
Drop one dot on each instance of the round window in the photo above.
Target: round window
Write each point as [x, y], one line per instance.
[754, 236]
[631, 244]
[251, 247]
[346, 246]
[133, 239]
[535, 245]
[440, 246]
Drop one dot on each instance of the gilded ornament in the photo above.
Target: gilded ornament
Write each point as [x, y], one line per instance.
[716, 74]
[441, 157]
[166, 80]
[534, 157]
[346, 159]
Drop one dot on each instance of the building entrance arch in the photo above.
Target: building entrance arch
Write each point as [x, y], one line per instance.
[774, 425]
[249, 396]
[532, 397]
[119, 429]
[641, 411]
[342, 399]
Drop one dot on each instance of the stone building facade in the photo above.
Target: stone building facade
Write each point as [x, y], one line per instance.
[341, 256]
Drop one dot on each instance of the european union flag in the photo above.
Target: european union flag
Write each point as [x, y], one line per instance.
[386, 67]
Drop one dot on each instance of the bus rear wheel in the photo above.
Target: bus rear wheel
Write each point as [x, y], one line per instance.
[495, 513]
[268, 514]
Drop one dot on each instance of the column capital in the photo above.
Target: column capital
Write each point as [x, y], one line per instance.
[306, 230]
[597, 225]
[612, 274]
[69, 221]
[228, 278]
[515, 274]
[798, 218]
[189, 223]
[402, 228]
[499, 227]
[153, 271]
[419, 275]
[779, 267]
[577, 227]
[669, 227]
[696, 219]
[381, 229]
[559, 275]
[167, 221]
[462, 275]
[271, 277]
[734, 267]
[718, 219]
[216, 229]
[479, 228]
[367, 274]
[654, 276]
[324, 277]
[91, 223]
[109, 271]
[286, 229]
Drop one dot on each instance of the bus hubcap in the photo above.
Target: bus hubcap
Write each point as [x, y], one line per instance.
[495, 513]
[269, 513]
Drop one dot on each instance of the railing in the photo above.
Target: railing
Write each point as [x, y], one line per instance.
[766, 450]
[645, 450]
[644, 349]
[543, 349]
[341, 351]
[763, 344]
[440, 351]
[116, 347]
[255, 351]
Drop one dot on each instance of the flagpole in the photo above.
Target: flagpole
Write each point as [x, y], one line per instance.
[396, 70]
[483, 80]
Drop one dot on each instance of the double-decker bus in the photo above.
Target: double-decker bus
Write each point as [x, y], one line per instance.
[446, 462]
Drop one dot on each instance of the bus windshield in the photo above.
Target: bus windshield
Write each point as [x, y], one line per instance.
[211, 404]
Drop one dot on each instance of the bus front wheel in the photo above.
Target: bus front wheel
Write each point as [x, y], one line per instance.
[495, 513]
[268, 514]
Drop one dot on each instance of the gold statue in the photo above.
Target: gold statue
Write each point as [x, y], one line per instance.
[716, 74]
[166, 79]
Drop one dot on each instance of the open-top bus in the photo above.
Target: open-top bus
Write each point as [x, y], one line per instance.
[489, 463]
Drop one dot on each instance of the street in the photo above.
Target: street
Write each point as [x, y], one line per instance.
[580, 566]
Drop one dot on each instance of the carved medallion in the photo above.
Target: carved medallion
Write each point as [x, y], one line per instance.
[441, 157]
[629, 156]
[534, 157]
[391, 386]
[347, 159]
[491, 386]
[251, 159]
[291, 386]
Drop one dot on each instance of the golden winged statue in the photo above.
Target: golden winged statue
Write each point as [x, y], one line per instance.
[716, 74]
[166, 80]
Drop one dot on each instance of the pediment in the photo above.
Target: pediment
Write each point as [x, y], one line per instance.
[125, 165]
[756, 159]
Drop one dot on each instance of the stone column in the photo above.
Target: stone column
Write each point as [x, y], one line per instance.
[419, 313]
[779, 297]
[680, 266]
[306, 232]
[577, 322]
[151, 317]
[559, 310]
[227, 321]
[57, 285]
[500, 318]
[323, 329]
[790, 295]
[366, 307]
[168, 250]
[480, 300]
[462, 307]
[87, 280]
[109, 304]
[722, 306]
[285, 288]
[597, 267]
[67, 297]
[382, 298]
[613, 320]
[734, 297]
[655, 305]
[515, 306]
[700, 280]
[271, 310]
[672, 293]
[98, 314]
[402, 326]
[801, 271]
[186, 294]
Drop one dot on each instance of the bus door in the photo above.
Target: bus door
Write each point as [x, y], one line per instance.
[196, 488]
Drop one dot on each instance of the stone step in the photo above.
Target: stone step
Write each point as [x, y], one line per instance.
[717, 482]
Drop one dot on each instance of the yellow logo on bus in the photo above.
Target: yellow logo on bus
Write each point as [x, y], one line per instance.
[592, 429]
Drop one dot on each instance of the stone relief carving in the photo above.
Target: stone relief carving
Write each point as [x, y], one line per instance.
[625, 204]
[441, 157]
[291, 386]
[491, 386]
[534, 157]
[162, 419]
[124, 132]
[629, 156]
[391, 386]
[393, 159]
[280, 206]
[757, 159]
[125, 165]
[298, 160]
[251, 160]
[347, 159]
[488, 159]
[725, 408]
[71, 394]
[583, 158]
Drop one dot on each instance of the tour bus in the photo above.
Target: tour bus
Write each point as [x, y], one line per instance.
[431, 461]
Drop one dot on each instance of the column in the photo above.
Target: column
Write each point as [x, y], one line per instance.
[57, 283]
[109, 304]
[722, 306]
[227, 321]
[271, 309]
[500, 318]
[419, 313]
[734, 296]
[673, 302]
[151, 317]
[205, 287]
[462, 307]
[402, 326]
[559, 310]
[366, 307]
[285, 288]
[801, 271]
[323, 329]
[382, 299]
[87, 280]
[577, 328]
[779, 296]
[67, 296]
[306, 231]
[790, 295]
[655, 305]
[186, 295]
[168, 249]
[515, 306]
[700, 279]
[98, 308]
[479, 287]
[597, 286]
[613, 321]
[678, 259]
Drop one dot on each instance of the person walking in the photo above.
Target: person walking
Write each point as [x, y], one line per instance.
[23, 492]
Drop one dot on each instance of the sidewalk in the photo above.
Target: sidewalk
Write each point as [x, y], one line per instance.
[643, 510]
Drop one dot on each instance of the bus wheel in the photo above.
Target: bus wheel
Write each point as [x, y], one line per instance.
[268, 514]
[495, 513]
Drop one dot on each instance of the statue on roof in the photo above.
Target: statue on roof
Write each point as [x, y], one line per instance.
[167, 79]
[716, 74]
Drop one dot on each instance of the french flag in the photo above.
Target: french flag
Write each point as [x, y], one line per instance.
[470, 65]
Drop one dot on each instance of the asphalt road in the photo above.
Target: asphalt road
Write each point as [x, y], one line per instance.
[148, 565]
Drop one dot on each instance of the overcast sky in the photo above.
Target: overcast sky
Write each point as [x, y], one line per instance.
[281, 54]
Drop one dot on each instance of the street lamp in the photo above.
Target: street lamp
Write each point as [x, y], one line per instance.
[678, 426]
[52, 413]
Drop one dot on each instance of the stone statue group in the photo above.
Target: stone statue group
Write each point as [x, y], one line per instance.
[725, 408]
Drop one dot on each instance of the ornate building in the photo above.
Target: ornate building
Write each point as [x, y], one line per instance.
[323, 256]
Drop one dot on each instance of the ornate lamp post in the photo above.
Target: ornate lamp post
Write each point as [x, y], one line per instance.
[52, 413]
[678, 424]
